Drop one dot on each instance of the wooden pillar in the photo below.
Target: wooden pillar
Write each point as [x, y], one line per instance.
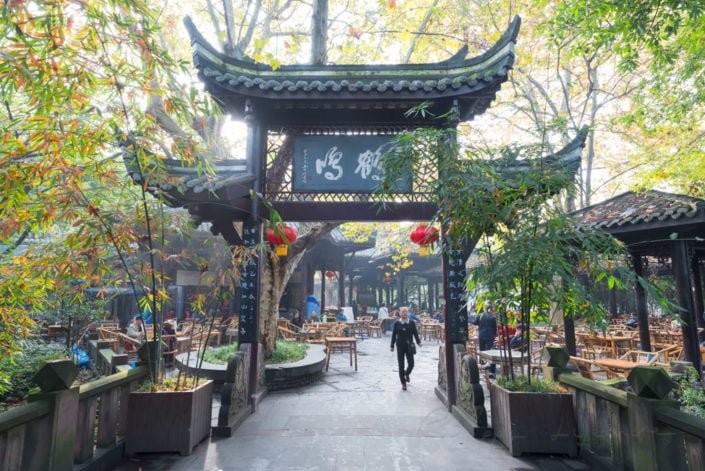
[569, 331]
[252, 235]
[352, 287]
[400, 290]
[698, 291]
[341, 288]
[613, 302]
[323, 292]
[684, 288]
[641, 310]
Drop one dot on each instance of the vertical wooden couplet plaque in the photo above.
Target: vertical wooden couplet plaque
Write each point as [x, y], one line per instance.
[454, 273]
[456, 312]
[249, 285]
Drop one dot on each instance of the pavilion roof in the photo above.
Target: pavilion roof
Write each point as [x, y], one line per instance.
[647, 217]
[369, 90]
[643, 208]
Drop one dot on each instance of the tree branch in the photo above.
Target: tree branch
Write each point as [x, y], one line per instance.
[422, 28]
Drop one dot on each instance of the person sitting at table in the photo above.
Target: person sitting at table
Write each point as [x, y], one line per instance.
[136, 329]
[169, 328]
[517, 341]
[486, 333]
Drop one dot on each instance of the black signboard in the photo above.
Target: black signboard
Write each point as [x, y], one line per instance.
[249, 286]
[342, 164]
[455, 294]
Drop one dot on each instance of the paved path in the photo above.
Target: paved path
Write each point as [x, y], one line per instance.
[355, 421]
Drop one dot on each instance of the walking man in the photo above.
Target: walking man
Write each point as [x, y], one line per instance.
[403, 334]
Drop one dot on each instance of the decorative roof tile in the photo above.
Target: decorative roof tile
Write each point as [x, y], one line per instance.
[474, 80]
[632, 209]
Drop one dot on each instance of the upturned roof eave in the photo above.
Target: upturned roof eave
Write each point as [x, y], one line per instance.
[447, 79]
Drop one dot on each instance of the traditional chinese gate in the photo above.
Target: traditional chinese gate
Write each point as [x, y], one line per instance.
[315, 135]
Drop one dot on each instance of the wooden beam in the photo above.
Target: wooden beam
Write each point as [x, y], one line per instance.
[318, 212]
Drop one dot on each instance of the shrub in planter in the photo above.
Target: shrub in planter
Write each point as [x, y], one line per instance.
[535, 419]
[162, 419]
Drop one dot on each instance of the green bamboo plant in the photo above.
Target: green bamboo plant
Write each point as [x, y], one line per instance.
[533, 257]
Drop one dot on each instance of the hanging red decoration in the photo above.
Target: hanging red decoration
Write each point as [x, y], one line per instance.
[287, 235]
[388, 279]
[424, 236]
[330, 275]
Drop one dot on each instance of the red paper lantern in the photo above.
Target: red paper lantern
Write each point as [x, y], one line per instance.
[424, 236]
[388, 279]
[288, 236]
[330, 275]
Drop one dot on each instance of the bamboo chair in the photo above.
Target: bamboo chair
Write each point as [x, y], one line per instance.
[584, 367]
[375, 327]
[287, 334]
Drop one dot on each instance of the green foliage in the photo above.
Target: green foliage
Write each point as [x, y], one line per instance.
[532, 256]
[523, 384]
[691, 393]
[17, 370]
[285, 352]
[660, 42]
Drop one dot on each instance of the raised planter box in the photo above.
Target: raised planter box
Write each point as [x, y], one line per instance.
[297, 373]
[207, 370]
[534, 422]
[169, 421]
[277, 377]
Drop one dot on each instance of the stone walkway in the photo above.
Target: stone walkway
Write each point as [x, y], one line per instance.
[355, 421]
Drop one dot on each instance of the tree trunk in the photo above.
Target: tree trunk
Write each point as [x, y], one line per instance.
[275, 275]
[319, 32]
[591, 137]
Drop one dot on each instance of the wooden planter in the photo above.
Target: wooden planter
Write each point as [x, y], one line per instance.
[534, 422]
[174, 421]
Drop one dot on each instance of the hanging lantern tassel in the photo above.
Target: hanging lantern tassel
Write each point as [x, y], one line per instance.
[282, 243]
[424, 236]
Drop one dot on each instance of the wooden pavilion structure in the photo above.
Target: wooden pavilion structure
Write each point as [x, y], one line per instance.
[665, 226]
[315, 135]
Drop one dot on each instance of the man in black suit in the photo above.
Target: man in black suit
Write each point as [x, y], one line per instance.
[403, 335]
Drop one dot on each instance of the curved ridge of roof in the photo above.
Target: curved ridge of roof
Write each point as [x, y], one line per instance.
[445, 77]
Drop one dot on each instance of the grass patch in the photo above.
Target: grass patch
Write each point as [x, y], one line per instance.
[286, 352]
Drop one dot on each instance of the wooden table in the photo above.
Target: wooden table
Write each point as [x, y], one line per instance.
[614, 364]
[342, 343]
[502, 357]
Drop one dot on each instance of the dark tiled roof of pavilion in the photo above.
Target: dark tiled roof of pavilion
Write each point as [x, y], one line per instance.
[633, 209]
[476, 78]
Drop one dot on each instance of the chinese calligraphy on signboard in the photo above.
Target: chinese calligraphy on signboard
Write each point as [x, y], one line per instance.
[249, 284]
[456, 306]
[342, 163]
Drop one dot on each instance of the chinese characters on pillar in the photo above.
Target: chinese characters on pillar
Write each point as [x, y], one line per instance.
[249, 286]
[456, 307]
[342, 163]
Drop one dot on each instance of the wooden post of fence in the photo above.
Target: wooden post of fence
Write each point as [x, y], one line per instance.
[55, 379]
[651, 386]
